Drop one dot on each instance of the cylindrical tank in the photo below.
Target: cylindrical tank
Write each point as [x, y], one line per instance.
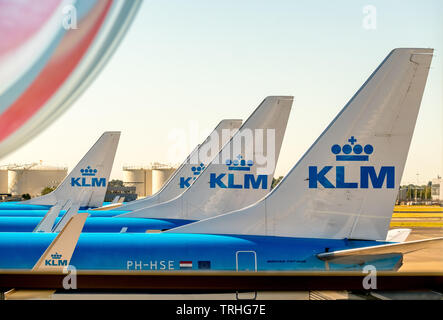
[159, 177]
[148, 182]
[135, 177]
[3, 181]
[33, 180]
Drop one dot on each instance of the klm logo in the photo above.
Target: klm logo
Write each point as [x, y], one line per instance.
[185, 182]
[56, 261]
[88, 179]
[369, 177]
[228, 181]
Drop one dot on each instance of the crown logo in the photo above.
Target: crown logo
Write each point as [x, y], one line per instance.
[357, 149]
[88, 171]
[198, 169]
[56, 256]
[239, 164]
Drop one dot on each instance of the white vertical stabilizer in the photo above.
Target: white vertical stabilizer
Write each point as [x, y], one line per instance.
[183, 177]
[89, 179]
[346, 184]
[239, 175]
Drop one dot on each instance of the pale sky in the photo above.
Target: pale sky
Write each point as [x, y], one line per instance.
[188, 64]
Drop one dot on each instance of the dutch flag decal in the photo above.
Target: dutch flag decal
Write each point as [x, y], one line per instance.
[185, 264]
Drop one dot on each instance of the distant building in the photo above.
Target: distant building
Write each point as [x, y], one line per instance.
[147, 180]
[437, 190]
[402, 195]
[3, 181]
[29, 178]
[128, 193]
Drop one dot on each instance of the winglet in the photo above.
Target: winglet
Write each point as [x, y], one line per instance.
[58, 254]
[47, 222]
[72, 211]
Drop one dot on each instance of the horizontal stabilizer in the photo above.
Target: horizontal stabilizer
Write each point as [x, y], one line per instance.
[362, 255]
[398, 235]
[110, 206]
[47, 222]
[73, 210]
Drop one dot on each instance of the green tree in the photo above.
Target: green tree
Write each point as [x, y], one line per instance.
[26, 196]
[47, 190]
[115, 183]
[276, 182]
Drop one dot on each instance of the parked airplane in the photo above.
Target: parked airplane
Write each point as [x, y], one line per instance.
[172, 187]
[332, 211]
[239, 175]
[85, 185]
[224, 184]
[187, 173]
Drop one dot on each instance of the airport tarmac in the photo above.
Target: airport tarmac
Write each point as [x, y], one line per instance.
[426, 222]
[426, 260]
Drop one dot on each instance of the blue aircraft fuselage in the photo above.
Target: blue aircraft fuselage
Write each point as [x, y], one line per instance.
[19, 207]
[169, 252]
[12, 206]
[41, 213]
[96, 224]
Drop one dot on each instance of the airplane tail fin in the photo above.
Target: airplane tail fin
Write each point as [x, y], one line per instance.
[345, 185]
[89, 179]
[239, 174]
[58, 254]
[184, 176]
